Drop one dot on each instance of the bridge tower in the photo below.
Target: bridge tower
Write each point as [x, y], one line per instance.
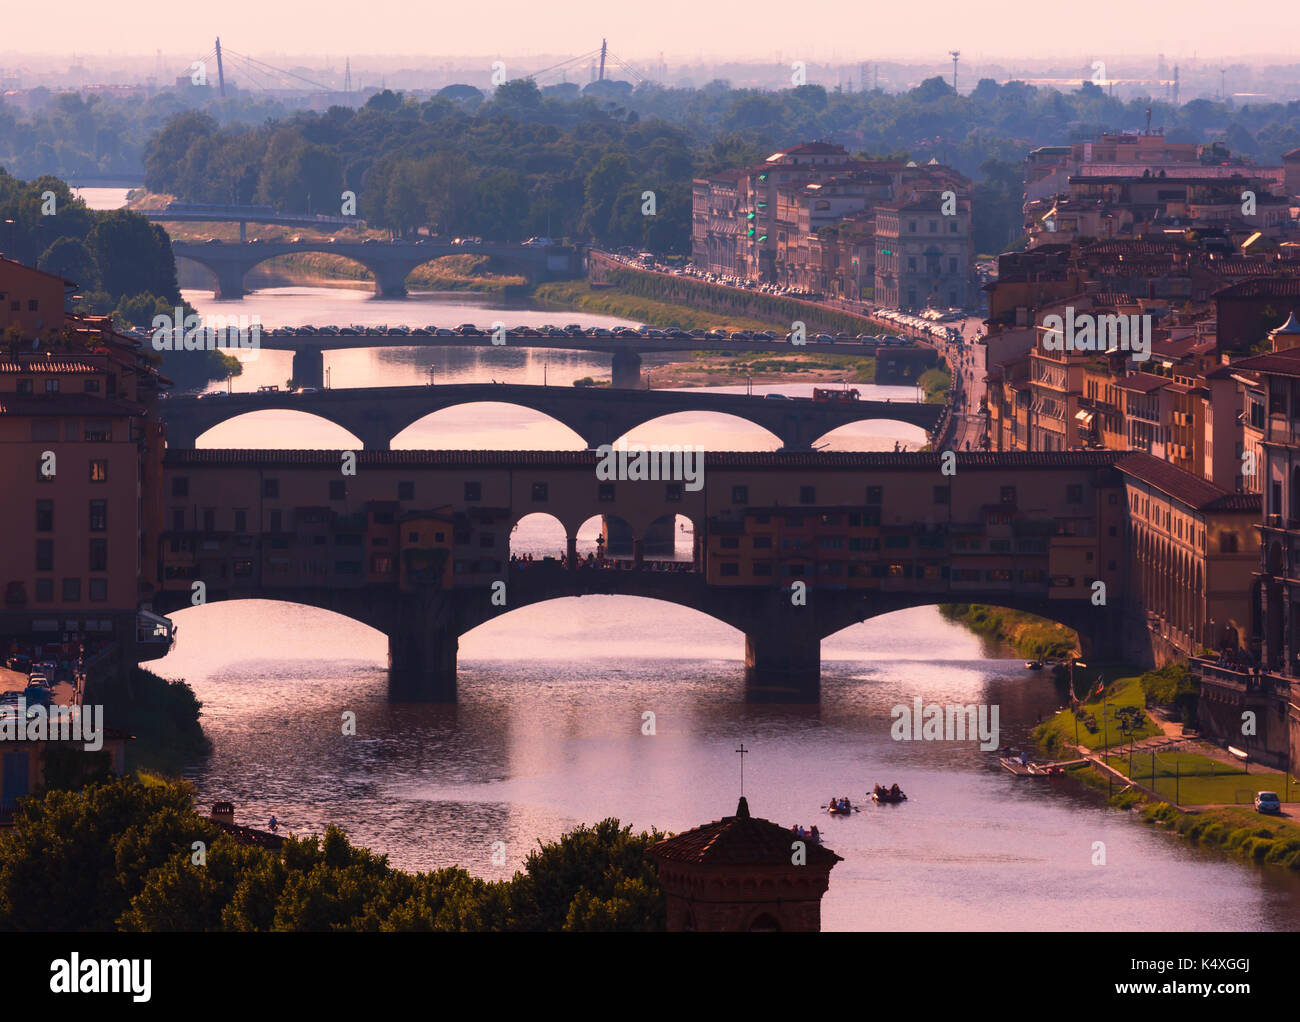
[603, 48]
[221, 80]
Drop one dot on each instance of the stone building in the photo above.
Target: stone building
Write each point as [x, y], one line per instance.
[738, 874]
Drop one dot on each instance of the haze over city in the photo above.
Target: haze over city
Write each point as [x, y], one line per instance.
[679, 29]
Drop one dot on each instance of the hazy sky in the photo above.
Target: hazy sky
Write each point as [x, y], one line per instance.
[682, 29]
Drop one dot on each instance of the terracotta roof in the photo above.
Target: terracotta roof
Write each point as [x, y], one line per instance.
[1189, 489]
[51, 365]
[1143, 383]
[740, 840]
[1280, 363]
[1262, 287]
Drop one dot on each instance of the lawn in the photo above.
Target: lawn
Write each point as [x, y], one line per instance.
[1194, 780]
[1100, 724]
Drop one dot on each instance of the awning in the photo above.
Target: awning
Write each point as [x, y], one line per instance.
[1084, 418]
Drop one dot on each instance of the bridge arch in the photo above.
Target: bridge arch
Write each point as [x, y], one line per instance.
[278, 429]
[691, 427]
[872, 434]
[481, 425]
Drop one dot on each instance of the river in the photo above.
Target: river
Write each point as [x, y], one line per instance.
[547, 732]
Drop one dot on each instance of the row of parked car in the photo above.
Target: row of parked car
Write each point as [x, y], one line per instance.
[469, 330]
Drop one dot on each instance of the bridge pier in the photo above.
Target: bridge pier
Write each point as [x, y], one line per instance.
[309, 368]
[627, 369]
[390, 279]
[783, 653]
[422, 648]
[230, 280]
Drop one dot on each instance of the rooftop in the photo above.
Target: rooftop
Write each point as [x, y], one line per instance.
[740, 840]
[1184, 487]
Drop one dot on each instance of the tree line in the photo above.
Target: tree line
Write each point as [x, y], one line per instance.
[125, 855]
[560, 161]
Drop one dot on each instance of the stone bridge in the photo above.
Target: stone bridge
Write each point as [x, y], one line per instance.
[788, 548]
[389, 262]
[375, 415]
[782, 640]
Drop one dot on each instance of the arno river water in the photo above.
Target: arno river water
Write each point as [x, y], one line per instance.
[548, 729]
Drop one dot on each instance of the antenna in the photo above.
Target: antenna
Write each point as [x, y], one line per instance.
[954, 54]
[347, 79]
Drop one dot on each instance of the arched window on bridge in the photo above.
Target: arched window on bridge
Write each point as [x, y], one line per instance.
[538, 536]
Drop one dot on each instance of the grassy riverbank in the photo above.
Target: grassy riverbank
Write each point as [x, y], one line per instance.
[1101, 720]
[579, 294]
[1216, 795]
[1031, 637]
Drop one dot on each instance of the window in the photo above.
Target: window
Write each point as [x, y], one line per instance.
[941, 494]
[487, 540]
[381, 564]
[45, 516]
[45, 555]
[99, 555]
[271, 489]
[729, 569]
[473, 491]
[763, 569]
[180, 486]
[98, 470]
[99, 516]
[1008, 495]
[1074, 493]
[740, 494]
[51, 386]
[952, 264]
[98, 590]
[72, 589]
[875, 495]
[952, 226]
[241, 519]
[47, 431]
[605, 493]
[338, 489]
[911, 227]
[762, 542]
[98, 430]
[540, 492]
[44, 590]
[673, 492]
[33, 305]
[729, 542]
[1227, 542]
[406, 491]
[92, 386]
[209, 519]
[276, 521]
[24, 386]
[178, 519]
